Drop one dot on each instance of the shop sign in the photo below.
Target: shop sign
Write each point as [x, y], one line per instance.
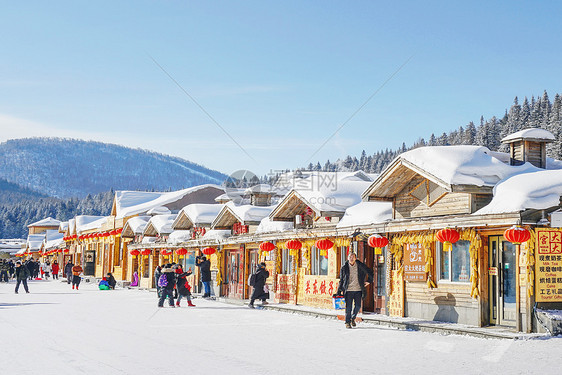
[396, 297]
[286, 289]
[414, 263]
[317, 291]
[548, 265]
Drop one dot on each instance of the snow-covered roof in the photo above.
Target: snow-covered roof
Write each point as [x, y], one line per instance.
[261, 188]
[47, 222]
[161, 210]
[179, 236]
[89, 222]
[35, 241]
[268, 226]
[366, 213]
[63, 227]
[130, 203]
[217, 234]
[72, 226]
[245, 214]
[536, 190]
[199, 214]
[316, 180]
[159, 225]
[135, 225]
[148, 240]
[53, 240]
[532, 134]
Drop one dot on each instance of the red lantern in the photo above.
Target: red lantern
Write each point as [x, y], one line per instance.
[324, 244]
[106, 234]
[66, 251]
[113, 233]
[293, 245]
[145, 252]
[166, 252]
[119, 230]
[517, 235]
[377, 242]
[267, 246]
[181, 251]
[448, 237]
[209, 250]
[135, 252]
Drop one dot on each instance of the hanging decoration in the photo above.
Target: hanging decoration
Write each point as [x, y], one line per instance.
[294, 246]
[447, 236]
[266, 247]
[517, 235]
[219, 266]
[530, 245]
[324, 245]
[134, 252]
[146, 252]
[181, 252]
[377, 242]
[209, 250]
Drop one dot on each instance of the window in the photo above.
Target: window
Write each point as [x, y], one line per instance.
[454, 265]
[287, 263]
[319, 263]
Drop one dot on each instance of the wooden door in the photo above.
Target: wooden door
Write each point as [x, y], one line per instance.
[366, 254]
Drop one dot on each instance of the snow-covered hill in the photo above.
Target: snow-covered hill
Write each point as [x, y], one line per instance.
[74, 168]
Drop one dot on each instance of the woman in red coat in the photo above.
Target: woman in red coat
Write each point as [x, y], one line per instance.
[55, 269]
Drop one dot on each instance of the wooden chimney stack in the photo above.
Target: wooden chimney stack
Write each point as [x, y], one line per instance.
[529, 145]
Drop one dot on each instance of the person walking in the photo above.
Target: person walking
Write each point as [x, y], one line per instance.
[157, 274]
[76, 271]
[205, 268]
[183, 287]
[30, 265]
[68, 271]
[12, 269]
[167, 282]
[354, 277]
[22, 273]
[258, 280]
[46, 269]
[4, 269]
[55, 269]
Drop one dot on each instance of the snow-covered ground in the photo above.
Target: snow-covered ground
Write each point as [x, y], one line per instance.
[56, 330]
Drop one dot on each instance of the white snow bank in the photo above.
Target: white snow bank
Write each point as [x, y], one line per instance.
[366, 213]
[161, 210]
[536, 190]
[268, 226]
[47, 222]
[137, 224]
[250, 213]
[89, 222]
[202, 213]
[217, 234]
[161, 223]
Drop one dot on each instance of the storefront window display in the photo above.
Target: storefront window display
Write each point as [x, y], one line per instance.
[454, 265]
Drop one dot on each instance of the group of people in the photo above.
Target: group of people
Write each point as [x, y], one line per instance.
[36, 269]
[172, 283]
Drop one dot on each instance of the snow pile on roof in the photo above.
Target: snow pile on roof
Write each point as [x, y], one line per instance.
[464, 165]
[47, 222]
[366, 213]
[314, 179]
[336, 196]
[530, 134]
[202, 213]
[89, 222]
[535, 190]
[260, 188]
[268, 226]
[137, 224]
[53, 239]
[179, 236]
[63, 227]
[217, 234]
[162, 210]
[72, 226]
[162, 223]
[247, 212]
[148, 240]
[129, 203]
[35, 241]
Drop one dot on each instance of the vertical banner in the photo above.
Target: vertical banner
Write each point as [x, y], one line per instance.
[396, 297]
[548, 265]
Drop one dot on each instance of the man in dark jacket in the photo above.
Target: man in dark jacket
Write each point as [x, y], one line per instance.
[30, 265]
[205, 268]
[168, 289]
[22, 273]
[352, 286]
[4, 269]
[68, 271]
[259, 279]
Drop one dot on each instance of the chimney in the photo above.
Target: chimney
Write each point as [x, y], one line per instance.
[529, 145]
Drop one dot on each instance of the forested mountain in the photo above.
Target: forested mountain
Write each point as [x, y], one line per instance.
[67, 168]
[10, 193]
[17, 215]
[538, 112]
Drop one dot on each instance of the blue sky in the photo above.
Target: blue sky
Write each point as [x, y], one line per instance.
[279, 77]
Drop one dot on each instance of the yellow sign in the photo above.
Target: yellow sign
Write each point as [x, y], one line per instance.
[548, 265]
[396, 298]
[317, 291]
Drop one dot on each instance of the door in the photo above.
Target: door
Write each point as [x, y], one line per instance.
[365, 254]
[237, 275]
[501, 274]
